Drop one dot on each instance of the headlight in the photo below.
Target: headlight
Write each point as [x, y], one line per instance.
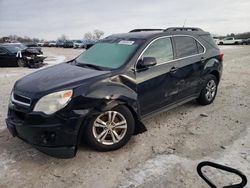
[53, 102]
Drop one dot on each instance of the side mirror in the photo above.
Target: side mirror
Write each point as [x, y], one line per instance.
[146, 62]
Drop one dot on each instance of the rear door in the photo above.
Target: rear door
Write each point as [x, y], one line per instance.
[189, 55]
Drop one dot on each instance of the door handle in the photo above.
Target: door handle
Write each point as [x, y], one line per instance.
[173, 69]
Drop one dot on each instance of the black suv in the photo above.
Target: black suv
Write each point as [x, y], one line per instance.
[103, 94]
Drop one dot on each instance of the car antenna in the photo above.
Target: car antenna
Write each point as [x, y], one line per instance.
[184, 22]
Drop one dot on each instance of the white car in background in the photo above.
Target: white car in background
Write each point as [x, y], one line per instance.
[40, 44]
[52, 44]
[78, 44]
[230, 40]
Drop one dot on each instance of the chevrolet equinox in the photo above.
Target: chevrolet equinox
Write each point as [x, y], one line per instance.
[103, 94]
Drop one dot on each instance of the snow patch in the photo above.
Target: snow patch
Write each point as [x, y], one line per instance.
[6, 75]
[5, 160]
[53, 60]
[157, 171]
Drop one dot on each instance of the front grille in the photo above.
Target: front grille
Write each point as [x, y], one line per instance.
[19, 99]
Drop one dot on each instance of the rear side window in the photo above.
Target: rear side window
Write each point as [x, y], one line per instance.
[186, 46]
[161, 49]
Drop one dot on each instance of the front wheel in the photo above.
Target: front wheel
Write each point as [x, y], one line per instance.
[21, 63]
[208, 93]
[110, 130]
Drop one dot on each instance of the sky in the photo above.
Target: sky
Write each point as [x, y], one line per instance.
[49, 19]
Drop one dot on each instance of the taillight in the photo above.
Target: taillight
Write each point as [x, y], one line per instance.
[221, 56]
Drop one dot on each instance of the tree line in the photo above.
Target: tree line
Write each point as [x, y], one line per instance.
[95, 35]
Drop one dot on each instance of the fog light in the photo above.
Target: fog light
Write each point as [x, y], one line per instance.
[48, 137]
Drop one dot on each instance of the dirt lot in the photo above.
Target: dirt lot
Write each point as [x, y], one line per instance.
[164, 156]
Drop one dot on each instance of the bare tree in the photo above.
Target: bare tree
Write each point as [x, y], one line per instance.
[35, 40]
[95, 35]
[88, 36]
[62, 37]
[98, 34]
[13, 37]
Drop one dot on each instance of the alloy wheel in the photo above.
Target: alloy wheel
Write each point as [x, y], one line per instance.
[210, 90]
[109, 127]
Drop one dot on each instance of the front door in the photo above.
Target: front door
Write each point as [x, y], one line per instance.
[6, 58]
[156, 87]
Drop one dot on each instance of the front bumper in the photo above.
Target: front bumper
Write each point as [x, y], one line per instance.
[55, 135]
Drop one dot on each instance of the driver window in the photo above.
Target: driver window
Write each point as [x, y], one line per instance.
[161, 50]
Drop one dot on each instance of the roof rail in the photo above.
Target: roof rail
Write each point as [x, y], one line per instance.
[139, 30]
[183, 29]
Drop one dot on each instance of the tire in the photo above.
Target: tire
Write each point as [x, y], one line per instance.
[208, 93]
[21, 63]
[100, 140]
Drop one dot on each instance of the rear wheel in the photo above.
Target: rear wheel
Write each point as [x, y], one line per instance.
[208, 93]
[110, 130]
[21, 63]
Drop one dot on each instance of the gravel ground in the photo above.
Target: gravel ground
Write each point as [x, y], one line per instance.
[164, 156]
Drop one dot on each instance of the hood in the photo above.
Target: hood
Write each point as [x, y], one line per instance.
[57, 77]
[34, 51]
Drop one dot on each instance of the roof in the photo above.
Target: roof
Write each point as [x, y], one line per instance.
[151, 33]
[10, 44]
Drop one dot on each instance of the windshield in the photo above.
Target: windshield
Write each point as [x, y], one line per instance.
[108, 55]
[22, 46]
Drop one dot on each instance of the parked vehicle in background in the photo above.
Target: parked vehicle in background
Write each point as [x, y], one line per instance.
[216, 40]
[246, 41]
[30, 44]
[36, 50]
[11, 55]
[52, 44]
[79, 44]
[104, 94]
[59, 43]
[230, 40]
[89, 43]
[46, 44]
[40, 44]
[68, 44]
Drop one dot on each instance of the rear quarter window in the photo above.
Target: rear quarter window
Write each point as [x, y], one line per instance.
[209, 40]
[186, 46]
[200, 47]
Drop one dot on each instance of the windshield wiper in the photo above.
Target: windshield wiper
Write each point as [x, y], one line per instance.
[88, 65]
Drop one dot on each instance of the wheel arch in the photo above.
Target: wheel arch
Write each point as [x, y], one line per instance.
[108, 101]
[130, 104]
[213, 66]
[216, 74]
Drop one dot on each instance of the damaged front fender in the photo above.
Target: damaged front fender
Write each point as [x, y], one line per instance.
[112, 92]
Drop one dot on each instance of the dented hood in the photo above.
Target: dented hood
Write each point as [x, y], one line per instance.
[57, 77]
